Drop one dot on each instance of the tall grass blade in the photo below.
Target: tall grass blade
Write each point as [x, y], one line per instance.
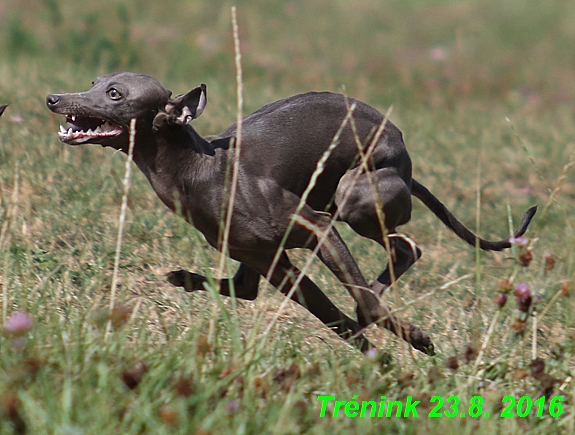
[122, 219]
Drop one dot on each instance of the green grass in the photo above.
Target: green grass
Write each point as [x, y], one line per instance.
[453, 72]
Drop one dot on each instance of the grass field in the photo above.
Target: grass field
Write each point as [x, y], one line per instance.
[483, 92]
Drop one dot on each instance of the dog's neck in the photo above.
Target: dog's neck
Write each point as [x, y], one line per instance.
[177, 162]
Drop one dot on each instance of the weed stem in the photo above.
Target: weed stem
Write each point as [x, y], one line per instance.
[127, 181]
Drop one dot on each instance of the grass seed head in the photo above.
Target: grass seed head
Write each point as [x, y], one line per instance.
[566, 287]
[169, 414]
[547, 383]
[505, 286]
[501, 300]
[203, 346]
[525, 256]
[549, 259]
[120, 315]
[134, 375]
[470, 354]
[287, 377]
[261, 386]
[523, 296]
[537, 367]
[184, 386]
[452, 363]
[10, 409]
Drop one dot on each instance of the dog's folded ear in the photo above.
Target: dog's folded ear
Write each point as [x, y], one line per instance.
[193, 103]
[182, 109]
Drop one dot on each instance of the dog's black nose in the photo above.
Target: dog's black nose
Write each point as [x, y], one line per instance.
[52, 100]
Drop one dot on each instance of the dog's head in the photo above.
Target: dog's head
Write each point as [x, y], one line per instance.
[102, 115]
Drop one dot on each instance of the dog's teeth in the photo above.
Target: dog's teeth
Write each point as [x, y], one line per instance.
[73, 118]
[98, 130]
[62, 129]
[70, 131]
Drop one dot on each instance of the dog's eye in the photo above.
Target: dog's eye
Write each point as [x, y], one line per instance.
[114, 94]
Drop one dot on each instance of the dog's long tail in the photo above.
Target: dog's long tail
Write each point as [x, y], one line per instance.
[451, 222]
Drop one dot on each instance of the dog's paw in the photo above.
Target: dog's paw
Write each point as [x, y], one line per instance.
[182, 278]
[421, 341]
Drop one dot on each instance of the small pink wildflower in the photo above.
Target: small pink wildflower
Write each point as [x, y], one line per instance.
[233, 406]
[518, 241]
[18, 323]
[371, 354]
[522, 290]
[438, 54]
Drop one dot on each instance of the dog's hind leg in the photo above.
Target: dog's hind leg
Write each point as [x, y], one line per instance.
[245, 282]
[373, 207]
[403, 252]
[334, 253]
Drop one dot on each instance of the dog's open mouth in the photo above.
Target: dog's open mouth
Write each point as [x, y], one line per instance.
[82, 129]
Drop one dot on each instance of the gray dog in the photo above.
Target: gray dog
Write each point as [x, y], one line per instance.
[366, 182]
